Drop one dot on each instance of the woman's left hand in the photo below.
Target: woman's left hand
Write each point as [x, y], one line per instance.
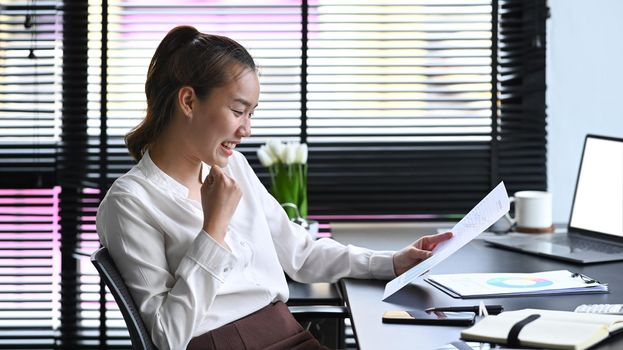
[419, 250]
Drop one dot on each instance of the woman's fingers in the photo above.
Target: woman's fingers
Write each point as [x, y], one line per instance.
[430, 242]
[418, 251]
[216, 175]
[419, 254]
[408, 257]
[220, 195]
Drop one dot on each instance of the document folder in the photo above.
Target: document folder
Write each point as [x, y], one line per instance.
[484, 285]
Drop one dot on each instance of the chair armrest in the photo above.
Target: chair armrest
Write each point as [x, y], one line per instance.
[312, 312]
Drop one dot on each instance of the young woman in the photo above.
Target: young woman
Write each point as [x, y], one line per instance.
[199, 241]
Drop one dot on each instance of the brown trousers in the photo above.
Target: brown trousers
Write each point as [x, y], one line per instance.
[272, 327]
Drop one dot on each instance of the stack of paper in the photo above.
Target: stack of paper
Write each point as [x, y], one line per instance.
[479, 285]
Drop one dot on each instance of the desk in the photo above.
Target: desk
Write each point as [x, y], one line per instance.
[363, 297]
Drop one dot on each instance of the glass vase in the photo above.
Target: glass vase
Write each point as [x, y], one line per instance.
[289, 185]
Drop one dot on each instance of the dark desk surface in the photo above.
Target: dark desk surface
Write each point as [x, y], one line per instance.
[302, 294]
[364, 297]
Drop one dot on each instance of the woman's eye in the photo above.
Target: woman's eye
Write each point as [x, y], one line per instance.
[237, 112]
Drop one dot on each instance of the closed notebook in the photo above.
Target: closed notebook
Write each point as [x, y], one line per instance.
[550, 330]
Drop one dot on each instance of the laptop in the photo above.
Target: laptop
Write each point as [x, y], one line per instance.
[595, 230]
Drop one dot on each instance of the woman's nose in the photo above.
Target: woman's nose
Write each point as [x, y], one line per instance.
[245, 127]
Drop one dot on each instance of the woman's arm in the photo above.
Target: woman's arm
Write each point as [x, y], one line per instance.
[171, 303]
[323, 260]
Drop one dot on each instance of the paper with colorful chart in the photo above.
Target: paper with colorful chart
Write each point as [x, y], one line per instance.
[467, 285]
[489, 210]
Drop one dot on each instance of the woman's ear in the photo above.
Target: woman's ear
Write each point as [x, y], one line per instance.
[186, 100]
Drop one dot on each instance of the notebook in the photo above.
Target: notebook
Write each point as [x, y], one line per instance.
[595, 230]
[545, 329]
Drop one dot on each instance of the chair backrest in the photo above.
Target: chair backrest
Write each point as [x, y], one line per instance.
[107, 269]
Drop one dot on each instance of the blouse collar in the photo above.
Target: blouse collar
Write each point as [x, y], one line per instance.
[159, 177]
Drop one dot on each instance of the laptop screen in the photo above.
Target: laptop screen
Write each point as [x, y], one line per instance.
[598, 201]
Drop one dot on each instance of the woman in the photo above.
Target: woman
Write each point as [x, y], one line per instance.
[199, 241]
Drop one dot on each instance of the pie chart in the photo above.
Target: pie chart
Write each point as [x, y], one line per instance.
[519, 282]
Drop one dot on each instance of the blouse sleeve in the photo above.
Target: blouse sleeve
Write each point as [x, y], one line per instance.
[170, 302]
[324, 260]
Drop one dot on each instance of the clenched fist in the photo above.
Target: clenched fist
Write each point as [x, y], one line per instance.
[220, 195]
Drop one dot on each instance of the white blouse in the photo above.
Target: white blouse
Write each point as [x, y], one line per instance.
[185, 283]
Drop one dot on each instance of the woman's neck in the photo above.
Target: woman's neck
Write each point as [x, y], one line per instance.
[170, 157]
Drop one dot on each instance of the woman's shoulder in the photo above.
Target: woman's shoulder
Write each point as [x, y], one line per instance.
[132, 184]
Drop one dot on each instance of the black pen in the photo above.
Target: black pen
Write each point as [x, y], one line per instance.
[491, 309]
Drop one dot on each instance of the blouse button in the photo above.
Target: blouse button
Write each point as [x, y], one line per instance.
[226, 269]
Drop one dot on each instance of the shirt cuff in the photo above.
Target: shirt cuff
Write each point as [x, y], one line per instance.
[212, 257]
[382, 265]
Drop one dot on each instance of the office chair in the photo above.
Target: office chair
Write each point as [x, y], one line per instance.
[107, 269]
[139, 335]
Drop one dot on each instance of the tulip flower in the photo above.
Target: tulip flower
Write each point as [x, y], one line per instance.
[301, 154]
[266, 157]
[290, 153]
[287, 165]
[276, 149]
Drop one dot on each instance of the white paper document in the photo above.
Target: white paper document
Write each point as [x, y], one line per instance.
[480, 285]
[484, 214]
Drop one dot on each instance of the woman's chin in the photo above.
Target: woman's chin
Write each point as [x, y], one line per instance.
[220, 158]
[221, 161]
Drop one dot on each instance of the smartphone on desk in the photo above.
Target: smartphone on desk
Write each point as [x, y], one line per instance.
[430, 318]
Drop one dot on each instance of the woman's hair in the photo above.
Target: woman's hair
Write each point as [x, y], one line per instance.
[185, 57]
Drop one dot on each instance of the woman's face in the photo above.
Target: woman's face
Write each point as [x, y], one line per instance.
[222, 118]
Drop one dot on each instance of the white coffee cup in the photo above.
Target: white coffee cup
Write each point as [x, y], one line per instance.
[533, 212]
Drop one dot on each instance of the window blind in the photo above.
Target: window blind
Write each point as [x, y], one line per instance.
[29, 268]
[521, 132]
[431, 104]
[28, 85]
[29, 212]
[399, 106]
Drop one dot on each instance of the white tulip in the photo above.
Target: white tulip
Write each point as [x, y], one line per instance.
[276, 149]
[265, 157]
[290, 153]
[301, 153]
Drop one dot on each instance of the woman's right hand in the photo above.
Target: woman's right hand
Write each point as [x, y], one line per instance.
[220, 195]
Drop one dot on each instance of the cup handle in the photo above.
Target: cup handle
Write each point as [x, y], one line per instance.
[511, 220]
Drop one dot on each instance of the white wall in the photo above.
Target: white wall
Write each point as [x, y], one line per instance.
[584, 86]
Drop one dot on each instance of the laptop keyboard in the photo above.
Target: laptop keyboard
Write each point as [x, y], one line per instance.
[588, 244]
